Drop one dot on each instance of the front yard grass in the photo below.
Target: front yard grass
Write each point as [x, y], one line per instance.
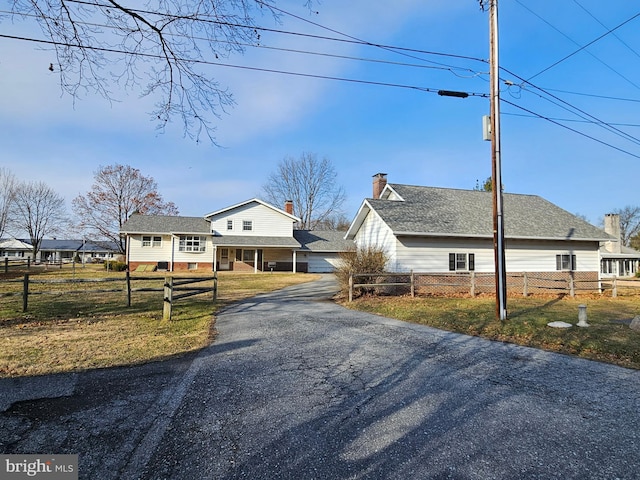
[74, 331]
[608, 338]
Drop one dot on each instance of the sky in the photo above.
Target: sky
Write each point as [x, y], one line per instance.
[570, 112]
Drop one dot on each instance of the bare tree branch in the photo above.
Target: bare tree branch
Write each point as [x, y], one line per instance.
[105, 45]
[8, 185]
[38, 211]
[629, 223]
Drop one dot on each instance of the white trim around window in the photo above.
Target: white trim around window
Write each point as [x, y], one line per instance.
[192, 243]
[153, 241]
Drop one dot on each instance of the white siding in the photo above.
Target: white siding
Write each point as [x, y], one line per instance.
[432, 255]
[138, 253]
[164, 253]
[375, 233]
[193, 257]
[532, 256]
[265, 221]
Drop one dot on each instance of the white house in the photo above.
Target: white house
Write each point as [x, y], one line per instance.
[427, 229]
[616, 259]
[250, 236]
[15, 249]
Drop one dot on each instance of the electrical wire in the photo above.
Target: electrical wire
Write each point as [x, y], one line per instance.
[603, 25]
[581, 113]
[242, 67]
[583, 47]
[567, 119]
[569, 128]
[288, 50]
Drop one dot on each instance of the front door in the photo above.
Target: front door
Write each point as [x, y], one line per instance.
[224, 259]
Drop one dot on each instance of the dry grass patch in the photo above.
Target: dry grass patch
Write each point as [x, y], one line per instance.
[75, 330]
[607, 339]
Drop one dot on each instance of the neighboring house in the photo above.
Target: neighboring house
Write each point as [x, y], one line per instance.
[428, 229]
[56, 251]
[251, 236]
[15, 249]
[617, 260]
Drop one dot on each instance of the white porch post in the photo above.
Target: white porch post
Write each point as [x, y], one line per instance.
[215, 256]
[173, 253]
[255, 261]
[295, 254]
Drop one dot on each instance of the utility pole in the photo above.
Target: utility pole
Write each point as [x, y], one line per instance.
[496, 167]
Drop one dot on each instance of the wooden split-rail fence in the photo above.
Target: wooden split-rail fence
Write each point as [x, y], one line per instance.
[183, 285]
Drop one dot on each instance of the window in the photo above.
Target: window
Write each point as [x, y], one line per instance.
[229, 224]
[149, 241]
[462, 262]
[192, 243]
[247, 225]
[565, 262]
[248, 256]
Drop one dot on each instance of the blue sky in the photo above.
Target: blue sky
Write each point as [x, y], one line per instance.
[414, 136]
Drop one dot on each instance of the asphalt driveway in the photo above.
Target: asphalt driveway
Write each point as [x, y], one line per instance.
[296, 387]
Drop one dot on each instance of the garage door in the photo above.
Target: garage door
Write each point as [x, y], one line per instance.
[323, 262]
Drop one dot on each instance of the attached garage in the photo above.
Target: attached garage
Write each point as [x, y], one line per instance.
[322, 249]
[323, 262]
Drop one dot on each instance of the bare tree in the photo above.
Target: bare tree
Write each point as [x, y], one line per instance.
[629, 223]
[486, 186]
[338, 222]
[7, 194]
[38, 211]
[117, 192]
[156, 48]
[311, 185]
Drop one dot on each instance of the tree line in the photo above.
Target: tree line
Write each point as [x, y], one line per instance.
[35, 210]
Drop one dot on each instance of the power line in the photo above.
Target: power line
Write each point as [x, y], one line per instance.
[568, 119]
[602, 24]
[610, 31]
[352, 40]
[597, 121]
[570, 129]
[395, 49]
[606, 97]
[242, 67]
[289, 50]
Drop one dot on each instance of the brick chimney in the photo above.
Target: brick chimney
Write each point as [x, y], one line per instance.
[379, 182]
[612, 227]
[288, 206]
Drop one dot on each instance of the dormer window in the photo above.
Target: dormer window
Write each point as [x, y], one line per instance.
[247, 225]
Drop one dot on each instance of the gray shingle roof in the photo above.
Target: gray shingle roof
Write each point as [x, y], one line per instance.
[452, 212]
[323, 240]
[254, 241]
[165, 224]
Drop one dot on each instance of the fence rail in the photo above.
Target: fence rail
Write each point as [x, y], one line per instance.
[170, 284]
[471, 283]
